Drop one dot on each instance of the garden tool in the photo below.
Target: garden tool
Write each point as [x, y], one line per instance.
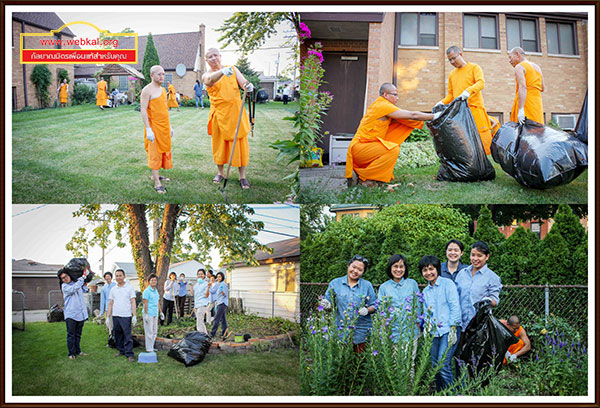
[252, 111]
[237, 130]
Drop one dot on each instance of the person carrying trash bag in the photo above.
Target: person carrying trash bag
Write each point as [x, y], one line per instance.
[353, 295]
[75, 310]
[523, 345]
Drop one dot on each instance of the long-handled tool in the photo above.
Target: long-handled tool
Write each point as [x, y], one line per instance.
[237, 130]
[252, 111]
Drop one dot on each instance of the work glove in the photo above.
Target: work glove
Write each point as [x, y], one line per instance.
[521, 116]
[438, 104]
[162, 316]
[133, 321]
[452, 336]
[109, 323]
[437, 115]
[149, 134]
[513, 358]
[325, 303]
[227, 71]
[85, 273]
[487, 300]
[465, 95]
[363, 311]
[249, 87]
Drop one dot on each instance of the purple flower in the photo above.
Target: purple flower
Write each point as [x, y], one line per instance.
[324, 329]
[407, 308]
[317, 54]
[313, 332]
[382, 313]
[391, 336]
[584, 350]
[390, 309]
[351, 327]
[304, 31]
[440, 325]
[375, 352]
[537, 357]
[387, 321]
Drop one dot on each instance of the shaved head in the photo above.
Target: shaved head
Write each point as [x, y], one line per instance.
[514, 321]
[212, 50]
[517, 50]
[386, 88]
[156, 68]
[453, 48]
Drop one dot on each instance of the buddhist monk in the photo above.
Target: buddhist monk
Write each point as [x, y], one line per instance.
[101, 93]
[63, 95]
[530, 85]
[466, 81]
[158, 133]
[522, 346]
[375, 147]
[172, 98]
[222, 85]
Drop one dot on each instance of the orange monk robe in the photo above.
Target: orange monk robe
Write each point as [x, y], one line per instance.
[470, 78]
[64, 96]
[172, 101]
[373, 151]
[534, 109]
[159, 151]
[225, 104]
[101, 94]
[517, 346]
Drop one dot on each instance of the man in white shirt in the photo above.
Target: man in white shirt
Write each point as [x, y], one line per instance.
[121, 311]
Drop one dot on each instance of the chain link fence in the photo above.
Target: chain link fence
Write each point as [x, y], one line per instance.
[18, 310]
[529, 302]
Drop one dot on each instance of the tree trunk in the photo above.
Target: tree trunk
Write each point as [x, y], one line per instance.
[165, 243]
[140, 245]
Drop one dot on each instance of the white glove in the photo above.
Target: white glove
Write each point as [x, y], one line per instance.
[227, 71]
[109, 323]
[149, 134]
[437, 115]
[162, 316]
[487, 299]
[521, 116]
[363, 311]
[464, 95]
[513, 358]
[249, 87]
[438, 104]
[452, 336]
[133, 321]
[86, 273]
[325, 303]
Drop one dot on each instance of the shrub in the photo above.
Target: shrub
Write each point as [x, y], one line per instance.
[553, 264]
[487, 231]
[82, 94]
[419, 135]
[515, 258]
[63, 74]
[41, 78]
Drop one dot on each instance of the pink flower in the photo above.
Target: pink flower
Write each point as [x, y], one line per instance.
[318, 54]
[304, 31]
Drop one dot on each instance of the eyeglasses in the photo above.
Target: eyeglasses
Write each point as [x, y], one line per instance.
[360, 258]
[390, 93]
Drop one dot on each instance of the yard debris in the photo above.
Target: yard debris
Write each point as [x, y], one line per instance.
[458, 145]
[55, 314]
[192, 349]
[75, 268]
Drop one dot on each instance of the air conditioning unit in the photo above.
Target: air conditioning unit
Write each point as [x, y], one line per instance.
[338, 147]
[566, 122]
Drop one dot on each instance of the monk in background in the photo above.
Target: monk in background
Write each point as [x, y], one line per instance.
[172, 99]
[63, 93]
[158, 132]
[522, 346]
[530, 85]
[101, 93]
[466, 81]
[373, 151]
[222, 85]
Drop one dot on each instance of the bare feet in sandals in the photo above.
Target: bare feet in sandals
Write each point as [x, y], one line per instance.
[244, 183]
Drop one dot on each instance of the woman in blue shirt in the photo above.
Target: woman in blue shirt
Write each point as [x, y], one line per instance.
[353, 295]
[75, 310]
[441, 299]
[453, 265]
[222, 302]
[399, 291]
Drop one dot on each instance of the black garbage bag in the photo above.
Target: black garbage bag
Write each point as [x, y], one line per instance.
[75, 268]
[111, 341]
[581, 129]
[539, 156]
[192, 349]
[485, 341]
[262, 96]
[55, 314]
[458, 145]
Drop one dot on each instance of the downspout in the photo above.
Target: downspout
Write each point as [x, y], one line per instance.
[24, 67]
[394, 76]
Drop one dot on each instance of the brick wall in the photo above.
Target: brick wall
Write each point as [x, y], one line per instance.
[380, 55]
[422, 73]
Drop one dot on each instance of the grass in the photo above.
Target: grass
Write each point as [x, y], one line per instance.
[83, 155]
[418, 185]
[41, 367]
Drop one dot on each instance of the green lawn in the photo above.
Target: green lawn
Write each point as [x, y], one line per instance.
[83, 155]
[418, 185]
[41, 367]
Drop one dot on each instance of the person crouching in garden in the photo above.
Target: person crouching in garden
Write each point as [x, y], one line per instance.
[222, 301]
[150, 298]
[200, 293]
[75, 310]
[441, 298]
[353, 295]
[121, 308]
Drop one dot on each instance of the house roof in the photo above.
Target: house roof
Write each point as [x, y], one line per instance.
[346, 207]
[86, 70]
[27, 267]
[48, 21]
[283, 251]
[173, 49]
[121, 69]
[128, 267]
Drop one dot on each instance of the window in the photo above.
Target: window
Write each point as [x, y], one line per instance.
[286, 278]
[522, 33]
[123, 84]
[565, 121]
[480, 31]
[168, 78]
[535, 227]
[418, 29]
[561, 38]
[498, 117]
[57, 39]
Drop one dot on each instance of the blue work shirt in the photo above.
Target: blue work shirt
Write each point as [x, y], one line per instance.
[200, 299]
[349, 300]
[182, 288]
[471, 289]
[104, 296]
[212, 292]
[400, 295]
[446, 273]
[75, 307]
[222, 293]
[198, 89]
[152, 296]
[442, 300]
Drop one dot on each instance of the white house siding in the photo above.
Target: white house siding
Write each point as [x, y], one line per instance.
[256, 286]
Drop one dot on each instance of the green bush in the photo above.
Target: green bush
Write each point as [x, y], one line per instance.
[417, 154]
[553, 264]
[82, 94]
[41, 78]
[62, 75]
[487, 231]
[515, 258]
[419, 135]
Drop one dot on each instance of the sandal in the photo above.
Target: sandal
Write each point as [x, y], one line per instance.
[218, 178]
[244, 184]
[160, 189]
[161, 178]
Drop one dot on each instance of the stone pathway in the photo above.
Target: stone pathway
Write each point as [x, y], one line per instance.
[330, 178]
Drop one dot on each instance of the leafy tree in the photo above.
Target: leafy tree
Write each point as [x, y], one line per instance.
[62, 75]
[517, 254]
[82, 94]
[251, 75]
[150, 59]
[567, 224]
[488, 232]
[504, 214]
[41, 78]
[312, 219]
[206, 226]
[250, 30]
[580, 264]
[112, 38]
[554, 263]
